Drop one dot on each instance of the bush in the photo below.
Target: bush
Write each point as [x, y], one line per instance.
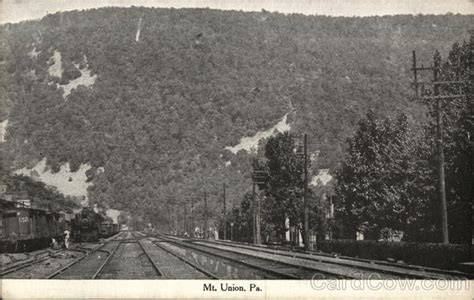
[445, 256]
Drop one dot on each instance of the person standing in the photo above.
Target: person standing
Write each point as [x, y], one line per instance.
[66, 238]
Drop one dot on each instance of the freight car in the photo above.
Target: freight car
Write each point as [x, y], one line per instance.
[86, 225]
[108, 228]
[25, 229]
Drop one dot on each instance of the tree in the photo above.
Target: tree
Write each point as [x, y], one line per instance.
[164, 109]
[383, 183]
[283, 198]
[458, 120]
[42, 196]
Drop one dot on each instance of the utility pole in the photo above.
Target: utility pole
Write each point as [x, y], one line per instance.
[305, 195]
[177, 219]
[297, 151]
[185, 223]
[440, 147]
[436, 96]
[225, 214]
[254, 227]
[169, 226]
[260, 179]
[205, 214]
[257, 237]
[257, 222]
[192, 218]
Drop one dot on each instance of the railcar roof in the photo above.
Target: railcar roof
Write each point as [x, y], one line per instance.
[34, 210]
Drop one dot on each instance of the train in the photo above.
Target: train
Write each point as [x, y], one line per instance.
[85, 227]
[108, 228]
[24, 228]
[90, 226]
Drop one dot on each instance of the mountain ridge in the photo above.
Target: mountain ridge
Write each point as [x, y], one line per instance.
[162, 110]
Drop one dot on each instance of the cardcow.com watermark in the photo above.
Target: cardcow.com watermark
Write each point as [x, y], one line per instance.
[375, 281]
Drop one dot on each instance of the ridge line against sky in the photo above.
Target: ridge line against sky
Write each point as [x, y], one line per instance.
[14, 11]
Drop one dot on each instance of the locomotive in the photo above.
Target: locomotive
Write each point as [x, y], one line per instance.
[24, 228]
[86, 225]
[89, 226]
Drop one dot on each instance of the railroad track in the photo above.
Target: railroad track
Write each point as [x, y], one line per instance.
[47, 254]
[271, 268]
[99, 272]
[57, 273]
[409, 271]
[36, 260]
[329, 267]
[111, 248]
[194, 265]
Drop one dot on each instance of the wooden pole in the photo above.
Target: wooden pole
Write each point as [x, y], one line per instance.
[225, 212]
[305, 195]
[440, 148]
[439, 132]
[205, 215]
[254, 227]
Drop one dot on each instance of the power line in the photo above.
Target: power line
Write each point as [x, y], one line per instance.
[436, 84]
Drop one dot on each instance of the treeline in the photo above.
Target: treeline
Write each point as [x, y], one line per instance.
[387, 185]
[278, 173]
[40, 195]
[389, 180]
[162, 109]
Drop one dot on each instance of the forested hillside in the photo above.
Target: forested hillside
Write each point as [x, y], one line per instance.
[153, 96]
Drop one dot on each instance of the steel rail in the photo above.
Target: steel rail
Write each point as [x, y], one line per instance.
[187, 261]
[270, 271]
[151, 260]
[309, 268]
[77, 248]
[322, 257]
[69, 265]
[102, 266]
[112, 253]
[30, 262]
[99, 249]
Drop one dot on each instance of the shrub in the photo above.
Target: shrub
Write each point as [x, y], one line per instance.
[424, 254]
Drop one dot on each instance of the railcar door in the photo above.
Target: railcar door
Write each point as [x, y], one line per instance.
[24, 224]
[49, 225]
[35, 226]
[2, 228]
[59, 224]
[41, 225]
[10, 222]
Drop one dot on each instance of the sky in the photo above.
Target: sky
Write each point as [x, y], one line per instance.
[13, 11]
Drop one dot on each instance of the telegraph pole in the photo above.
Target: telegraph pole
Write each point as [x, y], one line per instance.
[169, 226]
[440, 147]
[259, 178]
[436, 83]
[192, 218]
[177, 219]
[185, 223]
[257, 237]
[305, 195]
[306, 235]
[257, 229]
[225, 214]
[205, 214]
[254, 227]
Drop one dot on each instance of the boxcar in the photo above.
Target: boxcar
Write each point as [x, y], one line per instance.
[25, 229]
[108, 228]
